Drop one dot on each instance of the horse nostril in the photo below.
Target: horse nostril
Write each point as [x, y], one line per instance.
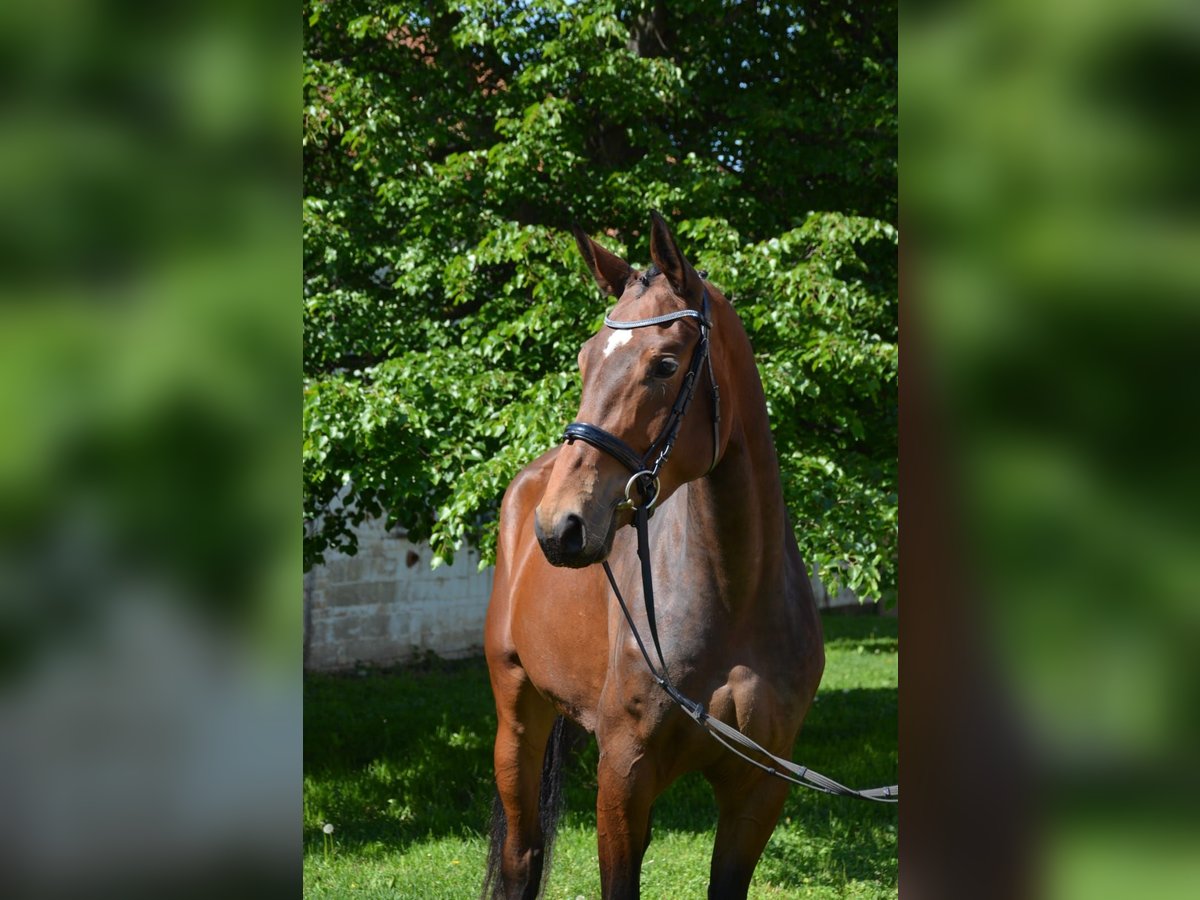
[571, 538]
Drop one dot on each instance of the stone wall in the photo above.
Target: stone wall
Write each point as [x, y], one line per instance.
[386, 605]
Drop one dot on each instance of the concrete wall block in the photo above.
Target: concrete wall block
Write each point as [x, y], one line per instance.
[359, 593]
[399, 630]
[345, 629]
[349, 570]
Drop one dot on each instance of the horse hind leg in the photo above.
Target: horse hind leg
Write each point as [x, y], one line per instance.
[530, 747]
[748, 811]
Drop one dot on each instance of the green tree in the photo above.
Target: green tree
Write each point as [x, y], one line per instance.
[448, 147]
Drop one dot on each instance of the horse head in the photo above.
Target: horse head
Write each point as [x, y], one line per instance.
[639, 374]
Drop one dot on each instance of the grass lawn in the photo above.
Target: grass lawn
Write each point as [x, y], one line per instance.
[399, 762]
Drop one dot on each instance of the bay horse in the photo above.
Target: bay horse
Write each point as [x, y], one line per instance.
[738, 623]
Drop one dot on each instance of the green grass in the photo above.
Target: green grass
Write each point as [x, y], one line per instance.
[399, 762]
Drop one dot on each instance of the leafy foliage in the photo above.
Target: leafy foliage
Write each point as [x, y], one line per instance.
[448, 146]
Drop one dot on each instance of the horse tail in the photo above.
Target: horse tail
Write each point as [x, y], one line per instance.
[550, 803]
[493, 885]
[550, 807]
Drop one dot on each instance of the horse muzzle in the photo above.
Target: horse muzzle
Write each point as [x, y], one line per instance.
[569, 540]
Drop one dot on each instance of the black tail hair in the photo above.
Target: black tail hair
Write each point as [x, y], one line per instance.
[550, 807]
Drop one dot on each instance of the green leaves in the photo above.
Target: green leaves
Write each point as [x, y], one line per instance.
[820, 309]
[448, 147]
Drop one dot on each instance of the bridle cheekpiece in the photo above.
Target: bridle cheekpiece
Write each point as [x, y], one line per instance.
[644, 473]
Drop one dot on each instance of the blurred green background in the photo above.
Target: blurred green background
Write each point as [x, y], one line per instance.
[1049, 200]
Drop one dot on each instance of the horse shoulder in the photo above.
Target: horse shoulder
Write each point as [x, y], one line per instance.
[516, 509]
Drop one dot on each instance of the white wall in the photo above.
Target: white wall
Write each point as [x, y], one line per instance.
[385, 605]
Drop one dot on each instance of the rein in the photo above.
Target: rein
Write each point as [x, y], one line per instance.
[727, 735]
[646, 478]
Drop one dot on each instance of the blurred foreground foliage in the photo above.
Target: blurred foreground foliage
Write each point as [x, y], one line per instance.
[149, 346]
[447, 148]
[1051, 188]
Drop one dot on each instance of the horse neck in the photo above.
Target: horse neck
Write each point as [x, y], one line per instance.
[741, 501]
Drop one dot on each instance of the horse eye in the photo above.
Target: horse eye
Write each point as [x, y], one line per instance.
[665, 368]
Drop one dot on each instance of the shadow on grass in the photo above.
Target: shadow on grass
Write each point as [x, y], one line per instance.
[393, 756]
[850, 736]
[820, 840]
[849, 632]
[400, 756]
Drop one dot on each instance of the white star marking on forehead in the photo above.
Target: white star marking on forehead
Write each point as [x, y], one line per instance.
[617, 339]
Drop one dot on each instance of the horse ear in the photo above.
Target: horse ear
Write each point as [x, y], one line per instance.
[610, 271]
[665, 253]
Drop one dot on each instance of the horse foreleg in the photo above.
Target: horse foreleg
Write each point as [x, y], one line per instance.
[627, 787]
[525, 720]
[749, 808]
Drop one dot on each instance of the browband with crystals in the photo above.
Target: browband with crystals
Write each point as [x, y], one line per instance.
[663, 319]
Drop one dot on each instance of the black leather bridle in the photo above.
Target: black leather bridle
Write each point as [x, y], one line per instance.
[645, 473]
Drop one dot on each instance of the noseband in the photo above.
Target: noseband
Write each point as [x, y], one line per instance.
[645, 474]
